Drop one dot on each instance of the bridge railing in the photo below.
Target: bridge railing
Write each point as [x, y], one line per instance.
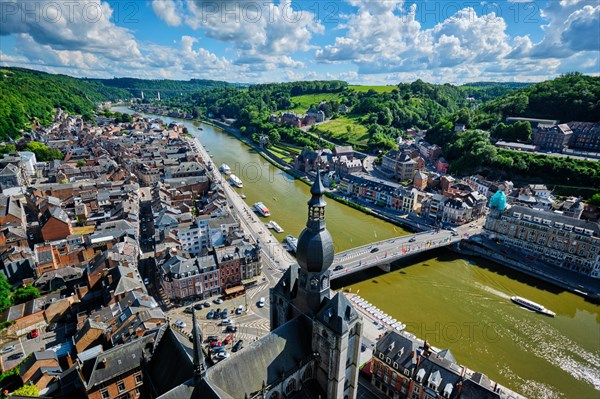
[374, 244]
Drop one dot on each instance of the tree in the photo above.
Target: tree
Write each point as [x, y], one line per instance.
[24, 294]
[27, 390]
[595, 199]
[80, 163]
[43, 153]
[5, 301]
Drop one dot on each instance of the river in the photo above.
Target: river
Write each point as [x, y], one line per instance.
[456, 303]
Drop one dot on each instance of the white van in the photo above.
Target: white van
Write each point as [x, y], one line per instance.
[239, 309]
[261, 302]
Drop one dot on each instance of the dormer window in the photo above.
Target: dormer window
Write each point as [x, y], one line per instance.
[388, 360]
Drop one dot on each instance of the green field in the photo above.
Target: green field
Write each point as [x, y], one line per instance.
[303, 102]
[378, 89]
[337, 130]
[282, 152]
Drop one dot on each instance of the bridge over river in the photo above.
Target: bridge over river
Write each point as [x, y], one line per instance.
[383, 253]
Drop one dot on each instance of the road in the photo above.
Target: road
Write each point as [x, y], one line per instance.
[385, 252]
[46, 340]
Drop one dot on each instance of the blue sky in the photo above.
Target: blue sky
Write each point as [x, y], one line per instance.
[360, 41]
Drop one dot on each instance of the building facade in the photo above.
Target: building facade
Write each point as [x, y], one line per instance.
[558, 239]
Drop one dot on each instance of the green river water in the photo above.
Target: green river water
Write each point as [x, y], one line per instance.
[453, 302]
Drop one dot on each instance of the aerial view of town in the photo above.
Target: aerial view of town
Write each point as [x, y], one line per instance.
[344, 199]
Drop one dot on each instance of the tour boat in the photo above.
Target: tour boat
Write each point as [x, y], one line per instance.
[526, 303]
[292, 242]
[225, 169]
[273, 225]
[262, 209]
[233, 179]
[243, 195]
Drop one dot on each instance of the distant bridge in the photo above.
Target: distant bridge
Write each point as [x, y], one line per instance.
[383, 253]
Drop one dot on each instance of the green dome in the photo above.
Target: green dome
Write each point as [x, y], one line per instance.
[498, 201]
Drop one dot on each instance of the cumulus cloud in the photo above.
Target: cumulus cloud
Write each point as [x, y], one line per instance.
[167, 10]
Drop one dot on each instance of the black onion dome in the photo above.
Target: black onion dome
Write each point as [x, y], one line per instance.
[315, 245]
[315, 250]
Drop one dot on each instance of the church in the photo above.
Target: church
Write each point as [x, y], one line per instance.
[312, 350]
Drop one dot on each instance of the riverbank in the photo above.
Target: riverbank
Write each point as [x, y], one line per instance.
[570, 281]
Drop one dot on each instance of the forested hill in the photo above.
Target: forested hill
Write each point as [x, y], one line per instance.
[570, 97]
[33, 96]
[29, 95]
[167, 88]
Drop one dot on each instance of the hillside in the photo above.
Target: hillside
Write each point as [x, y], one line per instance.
[33, 96]
[567, 98]
[167, 88]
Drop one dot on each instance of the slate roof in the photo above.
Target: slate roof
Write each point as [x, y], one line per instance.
[337, 314]
[263, 360]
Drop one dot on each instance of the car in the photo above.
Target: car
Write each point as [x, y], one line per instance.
[16, 356]
[239, 309]
[454, 233]
[189, 310]
[146, 281]
[222, 355]
[210, 315]
[212, 338]
[224, 314]
[198, 306]
[238, 345]
[374, 250]
[472, 225]
[218, 310]
[225, 322]
[33, 333]
[338, 267]
[231, 329]
[228, 339]
[218, 348]
[218, 301]
[412, 239]
[363, 347]
[206, 304]
[261, 302]
[180, 324]
[51, 327]
[8, 348]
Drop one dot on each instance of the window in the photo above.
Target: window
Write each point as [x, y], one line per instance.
[105, 394]
[138, 378]
[120, 386]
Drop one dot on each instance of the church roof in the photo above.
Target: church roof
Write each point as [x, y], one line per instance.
[337, 313]
[278, 352]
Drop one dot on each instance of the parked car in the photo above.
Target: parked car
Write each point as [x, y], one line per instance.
[338, 267]
[374, 250]
[224, 314]
[218, 348]
[261, 302]
[222, 355]
[33, 333]
[188, 310]
[238, 345]
[225, 322]
[218, 301]
[231, 329]
[198, 306]
[210, 315]
[239, 309]
[206, 304]
[146, 281]
[8, 348]
[214, 344]
[363, 347]
[180, 324]
[412, 239]
[228, 339]
[454, 233]
[16, 356]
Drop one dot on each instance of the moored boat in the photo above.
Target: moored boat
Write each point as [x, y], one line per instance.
[233, 179]
[292, 242]
[526, 303]
[273, 225]
[225, 169]
[262, 209]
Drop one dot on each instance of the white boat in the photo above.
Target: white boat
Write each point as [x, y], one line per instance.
[262, 209]
[233, 179]
[276, 227]
[243, 195]
[292, 242]
[225, 169]
[526, 303]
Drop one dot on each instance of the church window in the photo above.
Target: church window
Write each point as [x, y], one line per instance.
[291, 386]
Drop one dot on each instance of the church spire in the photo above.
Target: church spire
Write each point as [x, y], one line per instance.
[316, 205]
[199, 364]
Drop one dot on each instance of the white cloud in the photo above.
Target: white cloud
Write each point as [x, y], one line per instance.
[167, 10]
